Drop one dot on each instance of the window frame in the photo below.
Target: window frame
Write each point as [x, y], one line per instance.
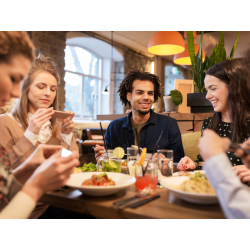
[99, 79]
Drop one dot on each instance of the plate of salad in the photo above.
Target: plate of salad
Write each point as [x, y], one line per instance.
[119, 181]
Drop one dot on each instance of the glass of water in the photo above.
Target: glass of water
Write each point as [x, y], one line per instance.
[132, 157]
[165, 161]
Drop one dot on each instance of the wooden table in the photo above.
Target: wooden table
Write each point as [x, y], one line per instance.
[166, 207]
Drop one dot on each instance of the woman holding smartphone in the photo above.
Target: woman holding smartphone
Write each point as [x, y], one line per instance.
[30, 121]
[22, 188]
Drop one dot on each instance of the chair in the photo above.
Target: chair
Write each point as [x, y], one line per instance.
[190, 143]
[93, 137]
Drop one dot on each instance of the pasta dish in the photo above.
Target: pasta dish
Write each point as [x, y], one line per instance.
[197, 184]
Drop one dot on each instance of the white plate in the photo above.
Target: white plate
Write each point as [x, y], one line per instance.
[122, 181]
[169, 182]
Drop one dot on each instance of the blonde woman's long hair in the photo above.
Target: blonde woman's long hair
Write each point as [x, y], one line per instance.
[20, 108]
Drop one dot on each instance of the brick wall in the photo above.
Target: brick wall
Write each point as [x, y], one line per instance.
[53, 44]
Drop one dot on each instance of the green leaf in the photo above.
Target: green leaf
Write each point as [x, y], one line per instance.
[191, 50]
[234, 46]
[176, 97]
[201, 39]
[220, 48]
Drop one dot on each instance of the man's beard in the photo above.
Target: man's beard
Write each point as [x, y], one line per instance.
[142, 112]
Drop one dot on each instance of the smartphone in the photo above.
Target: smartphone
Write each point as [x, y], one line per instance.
[60, 114]
[65, 152]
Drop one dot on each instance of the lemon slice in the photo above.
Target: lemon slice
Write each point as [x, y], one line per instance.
[112, 164]
[142, 157]
[118, 152]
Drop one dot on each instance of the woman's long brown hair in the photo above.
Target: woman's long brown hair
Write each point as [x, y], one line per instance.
[236, 76]
[20, 108]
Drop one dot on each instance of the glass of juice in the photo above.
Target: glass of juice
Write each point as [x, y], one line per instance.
[165, 162]
[148, 179]
[132, 157]
[111, 164]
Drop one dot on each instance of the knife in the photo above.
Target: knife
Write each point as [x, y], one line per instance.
[120, 202]
[145, 198]
[139, 203]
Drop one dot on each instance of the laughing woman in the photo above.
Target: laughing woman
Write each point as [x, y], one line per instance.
[228, 89]
[30, 121]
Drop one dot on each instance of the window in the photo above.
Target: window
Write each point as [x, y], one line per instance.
[171, 73]
[82, 81]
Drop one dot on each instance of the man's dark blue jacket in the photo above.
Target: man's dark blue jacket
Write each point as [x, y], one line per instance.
[120, 134]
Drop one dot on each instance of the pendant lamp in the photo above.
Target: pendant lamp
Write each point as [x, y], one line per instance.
[184, 58]
[166, 43]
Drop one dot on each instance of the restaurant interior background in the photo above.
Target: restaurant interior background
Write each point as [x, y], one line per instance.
[93, 64]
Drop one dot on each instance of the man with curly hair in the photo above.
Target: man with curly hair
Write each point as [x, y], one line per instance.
[142, 127]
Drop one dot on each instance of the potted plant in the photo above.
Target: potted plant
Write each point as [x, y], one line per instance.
[198, 101]
[172, 101]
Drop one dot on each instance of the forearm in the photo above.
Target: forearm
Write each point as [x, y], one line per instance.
[234, 197]
[21, 203]
[32, 190]
[19, 207]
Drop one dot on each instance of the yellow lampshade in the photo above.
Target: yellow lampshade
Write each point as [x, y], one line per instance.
[166, 43]
[184, 58]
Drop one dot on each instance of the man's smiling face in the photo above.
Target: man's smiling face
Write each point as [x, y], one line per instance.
[142, 96]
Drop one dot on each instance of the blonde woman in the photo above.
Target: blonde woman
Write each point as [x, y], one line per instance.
[22, 188]
[30, 121]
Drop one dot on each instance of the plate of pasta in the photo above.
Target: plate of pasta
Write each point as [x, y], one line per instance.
[195, 189]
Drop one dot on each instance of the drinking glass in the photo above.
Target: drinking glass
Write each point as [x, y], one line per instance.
[132, 157]
[100, 164]
[149, 178]
[165, 161]
[111, 164]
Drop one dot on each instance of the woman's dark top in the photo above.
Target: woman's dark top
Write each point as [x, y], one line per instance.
[224, 131]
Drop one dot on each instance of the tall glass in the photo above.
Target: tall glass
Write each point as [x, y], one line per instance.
[165, 161]
[100, 164]
[111, 164]
[132, 157]
[148, 179]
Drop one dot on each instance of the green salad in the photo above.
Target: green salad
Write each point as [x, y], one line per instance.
[88, 167]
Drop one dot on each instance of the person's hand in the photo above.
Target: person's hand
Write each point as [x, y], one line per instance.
[67, 125]
[39, 118]
[243, 173]
[240, 153]
[41, 153]
[186, 164]
[50, 175]
[155, 157]
[211, 144]
[99, 151]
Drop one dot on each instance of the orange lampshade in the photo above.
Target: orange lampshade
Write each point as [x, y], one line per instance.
[166, 43]
[184, 58]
